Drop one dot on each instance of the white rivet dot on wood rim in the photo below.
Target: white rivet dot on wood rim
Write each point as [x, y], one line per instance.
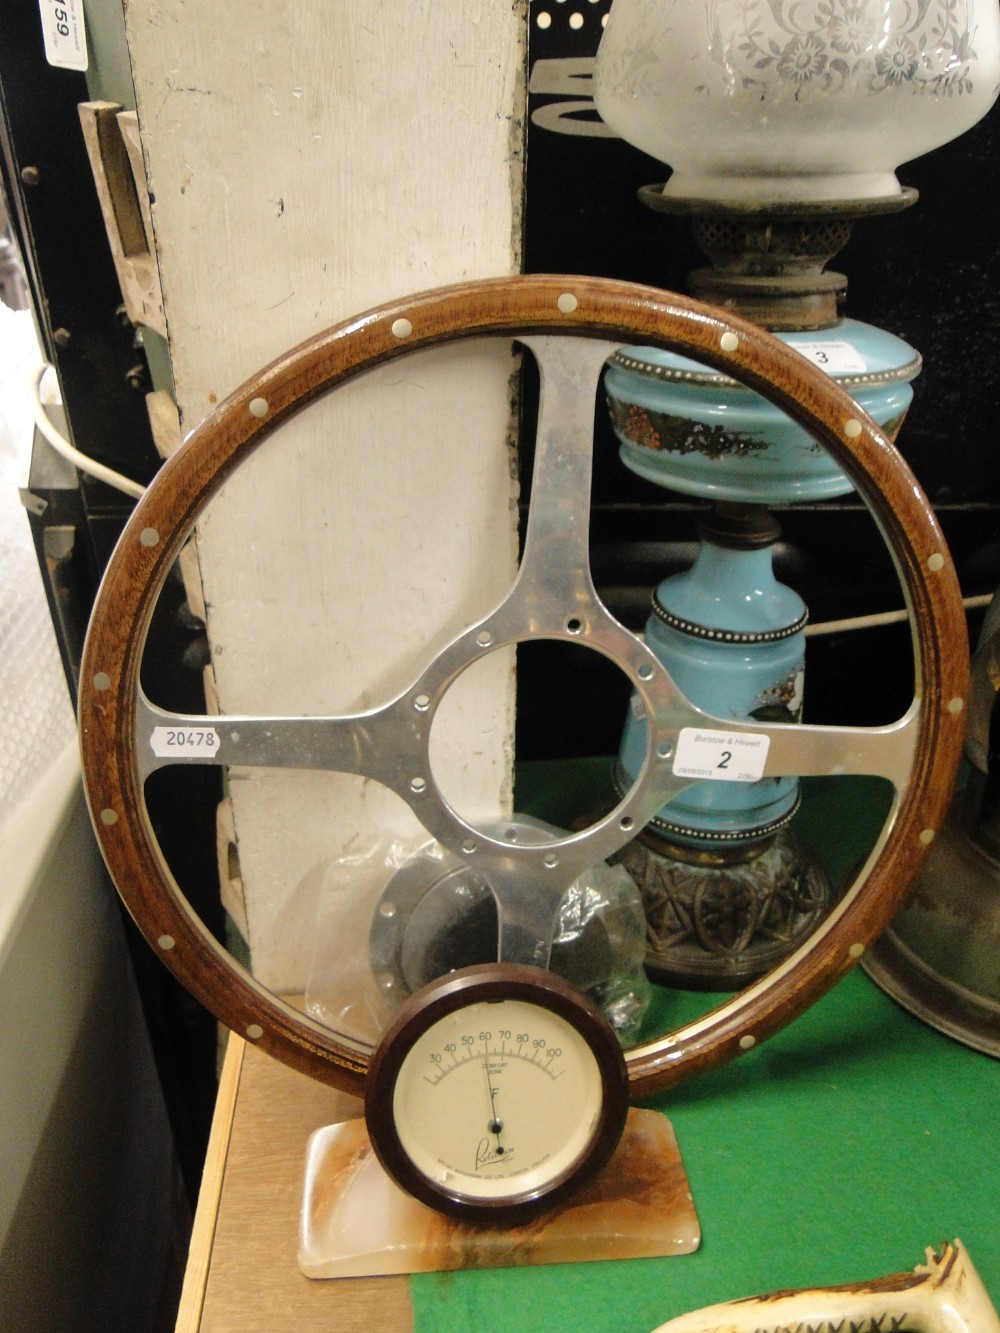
[927, 836]
[856, 950]
[255, 1031]
[109, 817]
[166, 941]
[149, 536]
[102, 681]
[729, 342]
[258, 407]
[567, 303]
[748, 1042]
[955, 705]
[852, 428]
[401, 328]
[935, 562]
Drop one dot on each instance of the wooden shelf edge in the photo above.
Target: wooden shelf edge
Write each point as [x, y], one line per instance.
[205, 1218]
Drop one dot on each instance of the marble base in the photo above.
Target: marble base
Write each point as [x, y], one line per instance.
[357, 1223]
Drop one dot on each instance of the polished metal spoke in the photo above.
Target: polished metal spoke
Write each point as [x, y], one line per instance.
[554, 579]
[802, 750]
[339, 744]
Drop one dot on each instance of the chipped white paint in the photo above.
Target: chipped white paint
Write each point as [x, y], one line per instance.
[308, 162]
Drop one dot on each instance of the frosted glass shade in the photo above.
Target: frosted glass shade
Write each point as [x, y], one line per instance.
[789, 100]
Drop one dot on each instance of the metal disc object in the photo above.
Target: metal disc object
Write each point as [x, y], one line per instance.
[940, 955]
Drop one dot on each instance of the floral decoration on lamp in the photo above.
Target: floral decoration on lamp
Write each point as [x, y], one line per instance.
[795, 99]
[832, 43]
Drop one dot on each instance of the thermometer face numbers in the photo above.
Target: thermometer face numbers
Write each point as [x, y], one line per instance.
[500, 1097]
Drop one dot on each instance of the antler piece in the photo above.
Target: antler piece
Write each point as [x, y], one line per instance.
[943, 1295]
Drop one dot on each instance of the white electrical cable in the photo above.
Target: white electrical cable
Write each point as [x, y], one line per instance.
[883, 618]
[107, 474]
[62, 446]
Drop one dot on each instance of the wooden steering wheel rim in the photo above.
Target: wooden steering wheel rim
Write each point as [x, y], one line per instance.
[513, 307]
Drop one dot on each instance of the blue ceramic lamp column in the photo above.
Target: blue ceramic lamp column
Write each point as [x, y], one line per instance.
[728, 888]
[731, 637]
[783, 125]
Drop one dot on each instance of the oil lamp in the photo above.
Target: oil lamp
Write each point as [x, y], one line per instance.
[783, 123]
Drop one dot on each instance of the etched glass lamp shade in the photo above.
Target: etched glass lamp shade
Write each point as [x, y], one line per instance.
[795, 100]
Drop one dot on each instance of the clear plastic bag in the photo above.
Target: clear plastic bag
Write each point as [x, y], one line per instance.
[395, 916]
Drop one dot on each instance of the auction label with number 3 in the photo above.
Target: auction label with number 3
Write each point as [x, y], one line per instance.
[835, 356]
[720, 756]
[64, 33]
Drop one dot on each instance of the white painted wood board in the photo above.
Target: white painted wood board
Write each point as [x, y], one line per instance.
[305, 162]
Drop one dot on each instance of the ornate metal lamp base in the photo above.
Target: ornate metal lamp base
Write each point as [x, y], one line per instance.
[719, 919]
[768, 257]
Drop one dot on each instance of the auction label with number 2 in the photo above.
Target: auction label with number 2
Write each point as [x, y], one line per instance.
[64, 33]
[720, 756]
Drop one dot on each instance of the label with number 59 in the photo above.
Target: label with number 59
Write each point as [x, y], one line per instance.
[720, 756]
[64, 33]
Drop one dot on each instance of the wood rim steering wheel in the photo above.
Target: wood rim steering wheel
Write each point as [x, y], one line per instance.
[571, 324]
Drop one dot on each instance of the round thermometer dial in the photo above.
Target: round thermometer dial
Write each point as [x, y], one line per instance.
[495, 1093]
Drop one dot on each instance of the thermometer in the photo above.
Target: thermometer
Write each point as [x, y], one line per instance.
[495, 1093]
